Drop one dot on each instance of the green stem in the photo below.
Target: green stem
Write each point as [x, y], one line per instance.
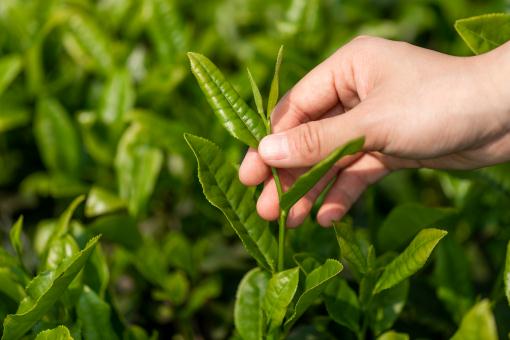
[282, 220]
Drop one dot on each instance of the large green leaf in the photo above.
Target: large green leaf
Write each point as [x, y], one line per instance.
[280, 290]
[478, 323]
[10, 66]
[94, 314]
[56, 137]
[137, 165]
[342, 304]
[315, 283]
[485, 32]
[310, 178]
[58, 333]
[248, 314]
[235, 115]
[351, 247]
[411, 260]
[42, 293]
[452, 278]
[223, 189]
[386, 307]
[405, 220]
[507, 273]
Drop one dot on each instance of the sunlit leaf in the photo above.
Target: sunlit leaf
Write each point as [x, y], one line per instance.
[485, 32]
[235, 115]
[478, 323]
[15, 236]
[10, 66]
[275, 84]
[101, 201]
[392, 335]
[58, 333]
[411, 260]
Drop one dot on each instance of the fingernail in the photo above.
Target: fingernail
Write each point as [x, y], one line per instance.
[274, 147]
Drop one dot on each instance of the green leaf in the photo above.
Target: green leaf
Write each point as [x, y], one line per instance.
[234, 114]
[275, 84]
[52, 185]
[386, 306]
[315, 283]
[12, 117]
[15, 237]
[452, 278]
[43, 291]
[485, 32]
[117, 100]
[138, 166]
[351, 248]
[166, 30]
[63, 222]
[478, 323]
[204, 291]
[306, 262]
[257, 96]
[58, 250]
[223, 189]
[58, 333]
[411, 260]
[10, 285]
[56, 137]
[342, 304]
[10, 66]
[94, 314]
[249, 318]
[96, 273]
[90, 40]
[175, 288]
[280, 290]
[506, 274]
[392, 335]
[308, 180]
[404, 221]
[101, 201]
[177, 248]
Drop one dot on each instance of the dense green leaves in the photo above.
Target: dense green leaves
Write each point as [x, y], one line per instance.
[315, 283]
[52, 126]
[43, 291]
[235, 115]
[485, 32]
[280, 290]
[307, 181]
[249, 318]
[58, 333]
[478, 323]
[411, 260]
[224, 190]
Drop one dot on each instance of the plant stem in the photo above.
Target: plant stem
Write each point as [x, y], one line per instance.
[281, 222]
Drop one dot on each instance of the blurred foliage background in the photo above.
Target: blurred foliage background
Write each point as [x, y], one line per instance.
[96, 94]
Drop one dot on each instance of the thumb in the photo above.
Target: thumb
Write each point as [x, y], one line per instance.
[309, 143]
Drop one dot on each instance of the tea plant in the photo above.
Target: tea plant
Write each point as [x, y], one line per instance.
[270, 299]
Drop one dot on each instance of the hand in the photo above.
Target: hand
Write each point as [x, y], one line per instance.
[415, 107]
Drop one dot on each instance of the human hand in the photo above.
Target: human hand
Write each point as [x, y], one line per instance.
[415, 107]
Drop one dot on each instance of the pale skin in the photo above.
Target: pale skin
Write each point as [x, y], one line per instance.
[416, 108]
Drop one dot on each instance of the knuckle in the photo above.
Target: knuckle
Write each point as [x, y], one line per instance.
[307, 141]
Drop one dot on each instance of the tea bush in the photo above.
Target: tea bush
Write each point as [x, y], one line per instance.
[95, 97]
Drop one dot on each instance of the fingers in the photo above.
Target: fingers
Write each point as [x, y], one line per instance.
[311, 142]
[253, 170]
[349, 185]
